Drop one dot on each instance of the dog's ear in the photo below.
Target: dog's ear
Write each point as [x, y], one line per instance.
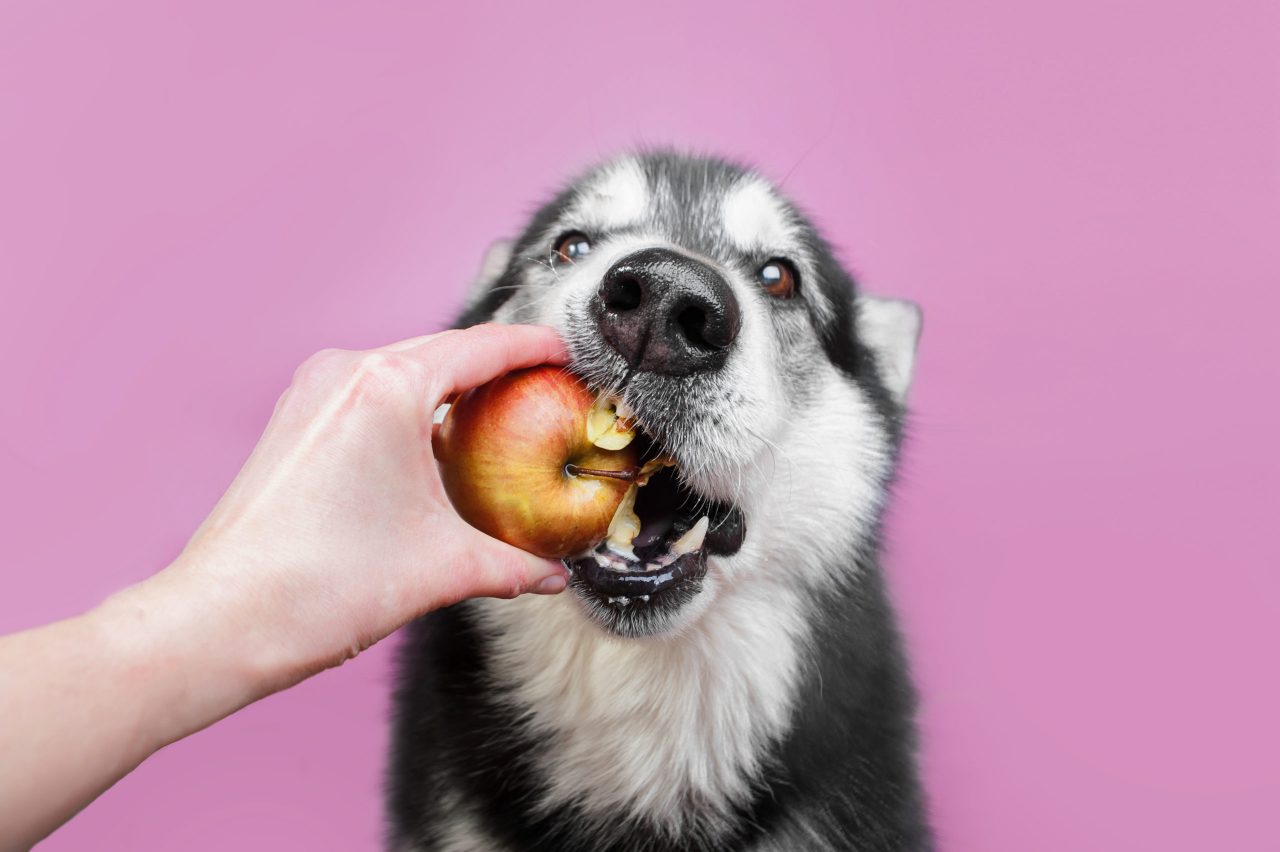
[492, 265]
[891, 329]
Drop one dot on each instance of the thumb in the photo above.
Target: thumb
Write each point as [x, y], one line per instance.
[495, 569]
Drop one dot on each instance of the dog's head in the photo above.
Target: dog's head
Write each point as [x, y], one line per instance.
[693, 290]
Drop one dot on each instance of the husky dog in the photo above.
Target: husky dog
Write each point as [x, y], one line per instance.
[740, 683]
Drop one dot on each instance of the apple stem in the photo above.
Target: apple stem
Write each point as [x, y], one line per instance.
[628, 475]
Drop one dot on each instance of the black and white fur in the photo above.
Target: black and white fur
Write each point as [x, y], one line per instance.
[771, 710]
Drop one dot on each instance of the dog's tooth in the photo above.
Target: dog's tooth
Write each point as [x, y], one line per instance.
[608, 561]
[692, 540]
[644, 598]
[624, 526]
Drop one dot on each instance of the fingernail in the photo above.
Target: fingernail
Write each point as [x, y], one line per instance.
[552, 585]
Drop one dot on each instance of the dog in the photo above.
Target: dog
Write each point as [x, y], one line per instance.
[736, 683]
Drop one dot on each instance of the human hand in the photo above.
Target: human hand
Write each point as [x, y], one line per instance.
[337, 530]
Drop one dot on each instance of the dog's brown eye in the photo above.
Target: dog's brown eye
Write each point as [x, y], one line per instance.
[572, 247]
[778, 278]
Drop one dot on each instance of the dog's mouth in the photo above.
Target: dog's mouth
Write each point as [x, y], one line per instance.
[656, 553]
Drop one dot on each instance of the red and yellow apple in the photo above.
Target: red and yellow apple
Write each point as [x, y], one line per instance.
[537, 460]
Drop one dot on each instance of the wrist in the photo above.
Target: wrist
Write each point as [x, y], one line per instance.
[182, 655]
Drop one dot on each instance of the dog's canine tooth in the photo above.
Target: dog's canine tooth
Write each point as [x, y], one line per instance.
[624, 526]
[692, 540]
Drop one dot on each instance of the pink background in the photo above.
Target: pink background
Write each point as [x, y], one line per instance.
[1085, 200]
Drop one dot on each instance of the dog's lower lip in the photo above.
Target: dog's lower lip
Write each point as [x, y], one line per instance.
[728, 530]
[637, 584]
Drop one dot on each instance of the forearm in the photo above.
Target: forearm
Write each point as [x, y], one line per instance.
[84, 701]
[65, 736]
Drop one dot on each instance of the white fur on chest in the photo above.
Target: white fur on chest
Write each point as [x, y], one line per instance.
[651, 727]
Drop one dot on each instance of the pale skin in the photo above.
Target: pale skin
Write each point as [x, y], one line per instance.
[336, 532]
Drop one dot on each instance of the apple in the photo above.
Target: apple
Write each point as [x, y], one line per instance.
[537, 460]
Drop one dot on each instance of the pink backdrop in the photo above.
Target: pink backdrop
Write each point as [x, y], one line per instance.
[1085, 200]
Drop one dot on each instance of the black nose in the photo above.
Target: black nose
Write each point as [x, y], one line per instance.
[667, 313]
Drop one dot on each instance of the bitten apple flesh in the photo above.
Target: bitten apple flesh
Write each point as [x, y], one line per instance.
[513, 455]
